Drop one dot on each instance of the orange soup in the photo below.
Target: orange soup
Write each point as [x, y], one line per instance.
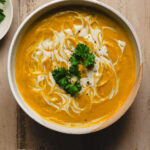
[49, 44]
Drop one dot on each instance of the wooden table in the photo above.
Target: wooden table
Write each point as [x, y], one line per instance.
[131, 132]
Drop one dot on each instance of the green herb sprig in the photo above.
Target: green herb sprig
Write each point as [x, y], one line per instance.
[82, 55]
[2, 1]
[2, 15]
[63, 76]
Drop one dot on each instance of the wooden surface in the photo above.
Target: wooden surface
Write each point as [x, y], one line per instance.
[131, 132]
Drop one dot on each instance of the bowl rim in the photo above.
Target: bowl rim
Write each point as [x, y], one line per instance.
[99, 126]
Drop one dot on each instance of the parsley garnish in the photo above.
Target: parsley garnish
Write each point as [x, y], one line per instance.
[74, 60]
[2, 15]
[59, 74]
[89, 61]
[82, 55]
[74, 71]
[73, 89]
[82, 51]
[63, 76]
[2, 1]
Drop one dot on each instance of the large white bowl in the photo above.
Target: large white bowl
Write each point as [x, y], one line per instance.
[60, 4]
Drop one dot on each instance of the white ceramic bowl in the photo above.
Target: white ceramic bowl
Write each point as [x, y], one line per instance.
[59, 4]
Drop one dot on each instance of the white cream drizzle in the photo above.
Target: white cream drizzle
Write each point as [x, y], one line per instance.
[56, 50]
[46, 44]
[83, 32]
[68, 31]
[121, 45]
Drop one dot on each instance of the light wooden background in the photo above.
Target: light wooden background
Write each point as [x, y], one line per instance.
[132, 132]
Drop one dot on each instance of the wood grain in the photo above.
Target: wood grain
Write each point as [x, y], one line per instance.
[131, 132]
[7, 103]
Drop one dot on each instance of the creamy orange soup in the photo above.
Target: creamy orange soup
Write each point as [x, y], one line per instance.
[49, 44]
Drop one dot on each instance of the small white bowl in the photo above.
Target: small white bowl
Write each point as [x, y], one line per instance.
[60, 4]
[6, 23]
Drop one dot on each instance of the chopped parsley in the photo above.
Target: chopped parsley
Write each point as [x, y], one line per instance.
[2, 1]
[83, 55]
[2, 15]
[74, 60]
[74, 71]
[59, 74]
[73, 89]
[89, 61]
[82, 51]
[63, 77]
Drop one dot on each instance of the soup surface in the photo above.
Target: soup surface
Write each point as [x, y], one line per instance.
[50, 42]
